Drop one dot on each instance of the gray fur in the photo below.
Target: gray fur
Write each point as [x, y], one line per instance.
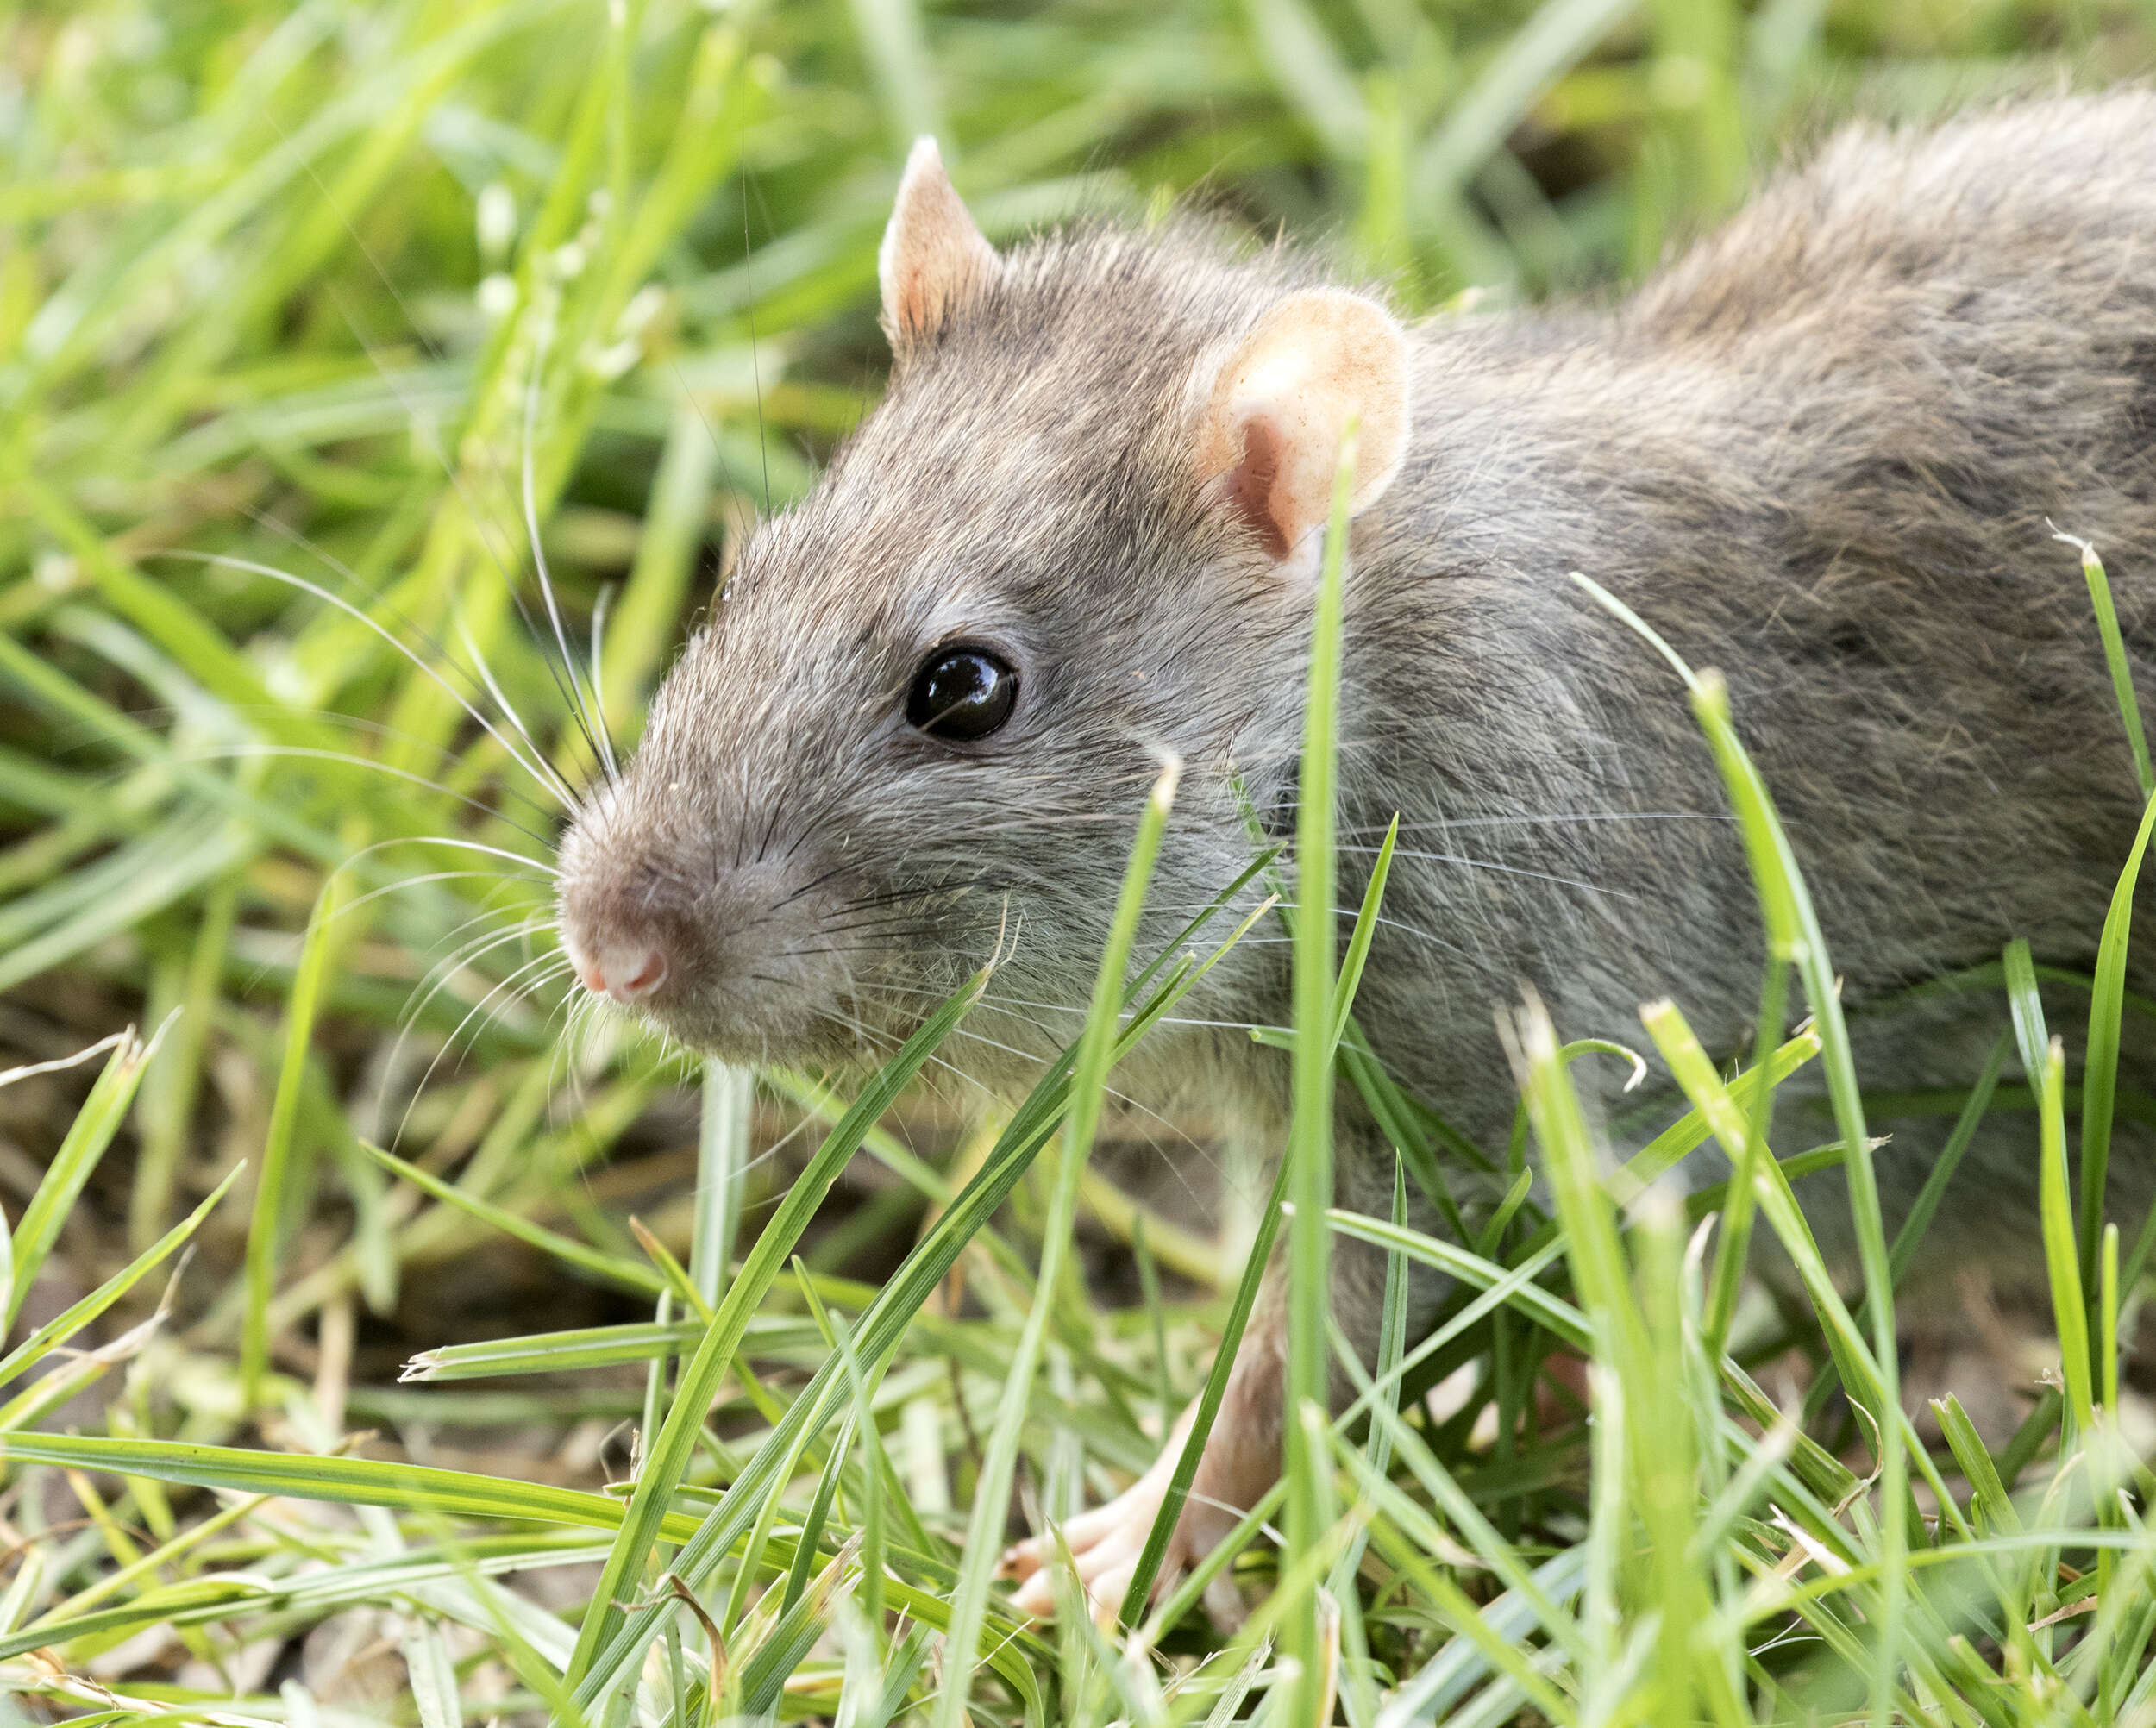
[1818, 452]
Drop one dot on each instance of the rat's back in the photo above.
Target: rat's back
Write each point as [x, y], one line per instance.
[2012, 216]
[1932, 350]
[1824, 452]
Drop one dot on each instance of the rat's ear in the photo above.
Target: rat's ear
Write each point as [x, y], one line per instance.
[1270, 434]
[932, 257]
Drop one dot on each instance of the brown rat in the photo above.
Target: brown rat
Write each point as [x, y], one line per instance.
[1818, 450]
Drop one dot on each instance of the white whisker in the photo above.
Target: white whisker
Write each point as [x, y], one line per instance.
[537, 766]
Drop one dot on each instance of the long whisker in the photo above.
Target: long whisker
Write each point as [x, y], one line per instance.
[599, 609]
[502, 565]
[306, 753]
[522, 986]
[458, 842]
[578, 700]
[455, 1037]
[375, 595]
[748, 268]
[1345, 912]
[537, 766]
[1560, 819]
[483, 523]
[1125, 1099]
[500, 698]
[422, 881]
[461, 960]
[1502, 869]
[376, 729]
[486, 915]
[1008, 1004]
[710, 433]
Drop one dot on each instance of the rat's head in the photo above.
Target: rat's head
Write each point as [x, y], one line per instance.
[1080, 532]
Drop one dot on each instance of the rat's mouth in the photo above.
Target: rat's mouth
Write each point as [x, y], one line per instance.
[811, 1041]
[757, 1023]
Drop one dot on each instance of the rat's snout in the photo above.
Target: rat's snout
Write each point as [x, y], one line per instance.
[627, 938]
[727, 955]
[627, 971]
[626, 958]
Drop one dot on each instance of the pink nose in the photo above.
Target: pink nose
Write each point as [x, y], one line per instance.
[628, 973]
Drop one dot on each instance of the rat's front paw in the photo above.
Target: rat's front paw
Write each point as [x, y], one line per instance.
[1240, 1462]
[1105, 1544]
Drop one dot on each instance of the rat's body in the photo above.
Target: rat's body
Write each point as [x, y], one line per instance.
[1817, 453]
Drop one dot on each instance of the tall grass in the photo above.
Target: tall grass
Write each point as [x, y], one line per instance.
[320, 326]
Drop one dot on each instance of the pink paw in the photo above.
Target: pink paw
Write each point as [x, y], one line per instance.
[1105, 1542]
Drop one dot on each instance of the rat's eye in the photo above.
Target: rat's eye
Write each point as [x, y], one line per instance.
[962, 694]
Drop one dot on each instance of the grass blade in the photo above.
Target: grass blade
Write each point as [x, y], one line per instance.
[556, 1352]
[1793, 933]
[2100, 1067]
[1088, 1083]
[277, 1147]
[88, 1136]
[350, 1481]
[723, 1155]
[80, 1314]
[1177, 1495]
[1309, 1156]
[2114, 657]
[2070, 1306]
[612, 1268]
[908, 1290]
[1910, 1236]
[669, 1456]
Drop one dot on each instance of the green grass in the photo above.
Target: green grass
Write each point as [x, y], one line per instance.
[312, 319]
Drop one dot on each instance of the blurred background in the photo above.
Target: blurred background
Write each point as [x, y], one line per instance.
[312, 315]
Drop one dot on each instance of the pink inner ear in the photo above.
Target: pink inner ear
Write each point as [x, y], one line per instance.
[913, 312]
[1251, 486]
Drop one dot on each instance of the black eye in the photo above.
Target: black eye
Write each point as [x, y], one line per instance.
[962, 693]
